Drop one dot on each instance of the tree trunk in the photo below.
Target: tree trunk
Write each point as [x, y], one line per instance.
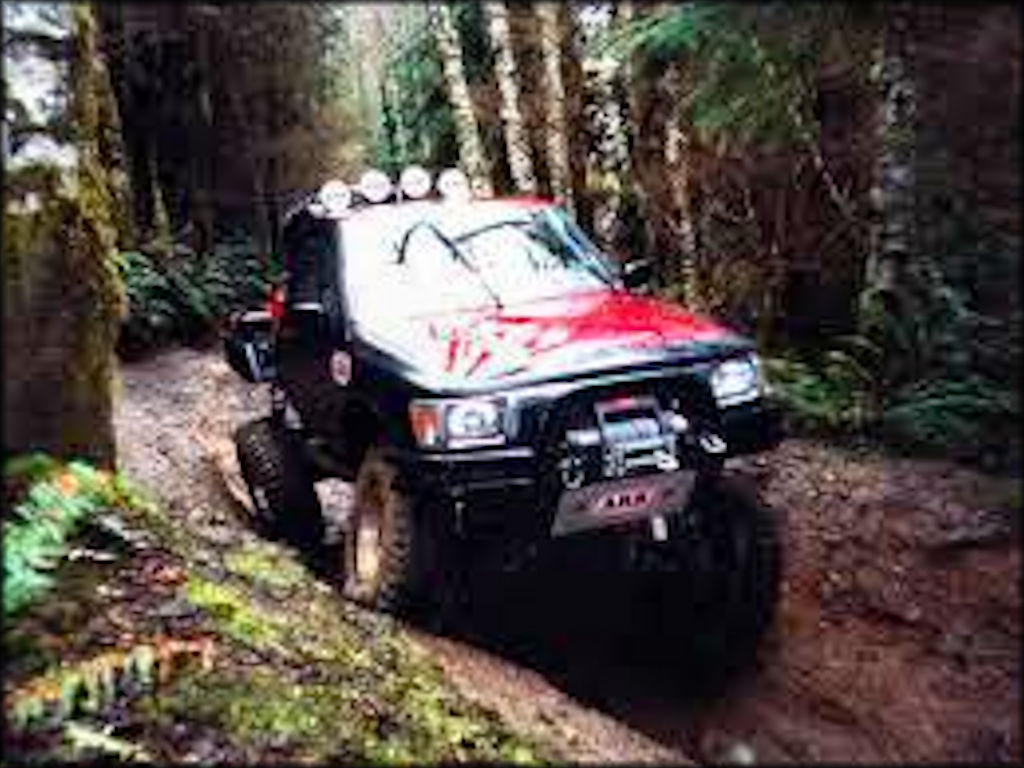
[893, 241]
[677, 167]
[642, 102]
[203, 160]
[470, 147]
[557, 138]
[575, 103]
[160, 225]
[516, 142]
[610, 164]
[63, 297]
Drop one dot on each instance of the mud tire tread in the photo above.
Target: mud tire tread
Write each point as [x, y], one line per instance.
[270, 459]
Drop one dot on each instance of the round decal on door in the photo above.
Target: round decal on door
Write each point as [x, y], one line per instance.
[341, 367]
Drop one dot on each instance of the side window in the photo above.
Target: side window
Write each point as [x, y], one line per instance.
[304, 270]
[311, 262]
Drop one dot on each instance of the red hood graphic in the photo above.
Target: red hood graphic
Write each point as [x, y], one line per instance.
[551, 336]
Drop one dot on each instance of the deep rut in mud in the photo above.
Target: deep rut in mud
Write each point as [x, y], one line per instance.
[897, 637]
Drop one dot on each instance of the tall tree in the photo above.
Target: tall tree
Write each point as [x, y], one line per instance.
[520, 163]
[224, 131]
[893, 239]
[63, 297]
[678, 166]
[579, 139]
[610, 162]
[556, 129]
[470, 146]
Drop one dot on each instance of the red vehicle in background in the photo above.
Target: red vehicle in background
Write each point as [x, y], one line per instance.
[492, 382]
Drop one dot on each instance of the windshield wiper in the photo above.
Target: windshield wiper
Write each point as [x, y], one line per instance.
[583, 258]
[456, 253]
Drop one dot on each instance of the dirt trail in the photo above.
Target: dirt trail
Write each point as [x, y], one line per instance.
[897, 640]
[174, 418]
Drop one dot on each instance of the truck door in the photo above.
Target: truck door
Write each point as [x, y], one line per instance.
[311, 348]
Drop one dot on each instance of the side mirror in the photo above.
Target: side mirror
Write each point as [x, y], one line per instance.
[636, 274]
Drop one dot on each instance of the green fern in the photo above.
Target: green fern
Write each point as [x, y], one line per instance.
[53, 502]
[93, 684]
[185, 297]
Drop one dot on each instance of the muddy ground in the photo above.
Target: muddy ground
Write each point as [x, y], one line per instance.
[897, 639]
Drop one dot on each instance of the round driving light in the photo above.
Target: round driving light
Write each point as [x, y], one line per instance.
[453, 184]
[414, 182]
[335, 196]
[375, 186]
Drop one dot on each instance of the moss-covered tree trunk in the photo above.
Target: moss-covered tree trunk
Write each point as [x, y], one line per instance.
[63, 297]
[893, 242]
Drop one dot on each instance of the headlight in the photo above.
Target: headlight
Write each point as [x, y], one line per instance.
[457, 423]
[737, 381]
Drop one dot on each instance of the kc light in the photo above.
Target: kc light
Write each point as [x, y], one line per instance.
[457, 423]
[334, 197]
[737, 381]
[375, 186]
[453, 185]
[414, 182]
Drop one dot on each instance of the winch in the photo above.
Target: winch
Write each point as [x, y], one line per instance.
[631, 436]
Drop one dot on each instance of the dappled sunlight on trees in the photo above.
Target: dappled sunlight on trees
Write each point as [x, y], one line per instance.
[804, 172]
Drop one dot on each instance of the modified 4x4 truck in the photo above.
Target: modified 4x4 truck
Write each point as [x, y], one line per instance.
[491, 381]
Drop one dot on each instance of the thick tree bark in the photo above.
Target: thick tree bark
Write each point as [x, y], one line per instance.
[63, 297]
[575, 103]
[516, 142]
[203, 177]
[893, 241]
[677, 166]
[470, 147]
[160, 226]
[557, 138]
[611, 162]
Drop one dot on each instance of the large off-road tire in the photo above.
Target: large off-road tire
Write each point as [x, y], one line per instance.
[717, 599]
[388, 545]
[280, 484]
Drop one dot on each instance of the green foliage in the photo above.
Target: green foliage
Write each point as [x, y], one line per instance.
[917, 380]
[961, 417]
[747, 65]
[92, 684]
[53, 501]
[829, 396]
[418, 109]
[184, 297]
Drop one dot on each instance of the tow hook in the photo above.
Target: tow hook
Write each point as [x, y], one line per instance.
[666, 461]
[712, 443]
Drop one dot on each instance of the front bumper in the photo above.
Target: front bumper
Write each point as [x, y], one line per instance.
[487, 490]
[511, 489]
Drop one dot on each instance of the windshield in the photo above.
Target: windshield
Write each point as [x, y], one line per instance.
[425, 258]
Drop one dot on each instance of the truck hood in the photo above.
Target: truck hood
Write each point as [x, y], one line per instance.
[547, 338]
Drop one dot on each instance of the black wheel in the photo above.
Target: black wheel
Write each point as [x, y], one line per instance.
[387, 559]
[716, 593]
[280, 484]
